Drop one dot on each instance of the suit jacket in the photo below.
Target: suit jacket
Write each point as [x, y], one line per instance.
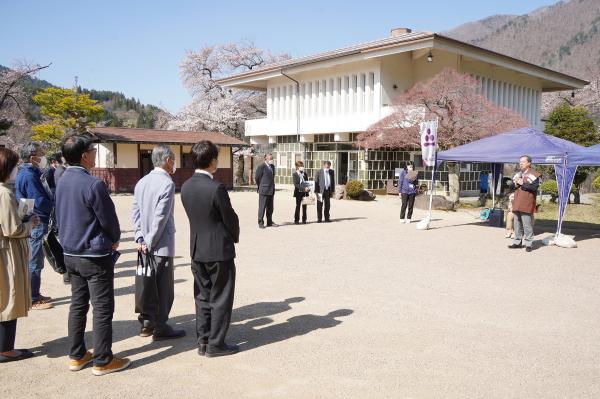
[214, 225]
[265, 179]
[320, 181]
[153, 209]
[298, 187]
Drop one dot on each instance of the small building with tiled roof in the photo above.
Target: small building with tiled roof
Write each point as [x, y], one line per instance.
[124, 154]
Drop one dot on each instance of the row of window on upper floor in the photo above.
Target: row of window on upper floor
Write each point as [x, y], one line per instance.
[524, 100]
[340, 95]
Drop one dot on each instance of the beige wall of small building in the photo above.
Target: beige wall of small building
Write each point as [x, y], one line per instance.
[127, 156]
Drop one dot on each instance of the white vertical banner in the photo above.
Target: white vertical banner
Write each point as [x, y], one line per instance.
[428, 141]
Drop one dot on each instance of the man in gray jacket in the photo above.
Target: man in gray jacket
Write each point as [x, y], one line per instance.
[154, 226]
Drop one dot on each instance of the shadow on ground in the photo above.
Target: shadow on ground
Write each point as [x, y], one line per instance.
[247, 334]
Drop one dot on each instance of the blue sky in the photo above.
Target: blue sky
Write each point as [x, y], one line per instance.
[136, 46]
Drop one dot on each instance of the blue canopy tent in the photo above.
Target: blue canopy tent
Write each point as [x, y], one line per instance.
[508, 147]
[589, 156]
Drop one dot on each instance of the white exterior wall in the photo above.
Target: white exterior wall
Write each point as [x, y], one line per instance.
[350, 97]
[104, 155]
[340, 99]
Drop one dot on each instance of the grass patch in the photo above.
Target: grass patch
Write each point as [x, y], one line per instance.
[574, 213]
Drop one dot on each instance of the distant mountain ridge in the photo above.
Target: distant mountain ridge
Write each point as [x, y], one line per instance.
[119, 110]
[564, 36]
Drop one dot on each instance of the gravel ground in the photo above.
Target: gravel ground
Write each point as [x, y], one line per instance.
[362, 307]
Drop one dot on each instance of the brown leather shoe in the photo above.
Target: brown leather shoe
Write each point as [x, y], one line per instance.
[146, 332]
[41, 305]
[116, 364]
[78, 364]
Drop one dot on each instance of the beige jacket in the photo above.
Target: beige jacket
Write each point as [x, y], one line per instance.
[15, 290]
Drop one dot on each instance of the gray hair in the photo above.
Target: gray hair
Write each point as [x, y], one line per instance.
[527, 157]
[30, 150]
[160, 153]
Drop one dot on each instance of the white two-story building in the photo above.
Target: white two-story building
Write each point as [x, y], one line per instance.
[317, 105]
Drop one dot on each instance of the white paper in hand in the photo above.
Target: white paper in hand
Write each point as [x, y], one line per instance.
[319, 197]
[26, 206]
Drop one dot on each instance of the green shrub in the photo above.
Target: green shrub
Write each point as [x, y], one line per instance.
[550, 187]
[354, 188]
[596, 182]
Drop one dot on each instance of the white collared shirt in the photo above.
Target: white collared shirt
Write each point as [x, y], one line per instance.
[204, 172]
[327, 178]
[162, 171]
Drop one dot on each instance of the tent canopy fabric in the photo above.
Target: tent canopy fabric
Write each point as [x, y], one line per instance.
[542, 148]
[587, 156]
[508, 147]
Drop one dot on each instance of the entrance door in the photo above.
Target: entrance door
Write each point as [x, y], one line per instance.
[145, 162]
[342, 168]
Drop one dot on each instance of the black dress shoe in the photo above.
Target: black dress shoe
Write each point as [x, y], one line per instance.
[514, 246]
[272, 225]
[528, 249]
[170, 334]
[327, 221]
[318, 221]
[224, 350]
[304, 222]
[296, 222]
[146, 331]
[261, 226]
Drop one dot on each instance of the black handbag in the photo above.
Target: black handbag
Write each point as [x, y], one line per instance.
[53, 252]
[146, 289]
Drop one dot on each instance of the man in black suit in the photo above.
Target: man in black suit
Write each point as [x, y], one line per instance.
[325, 186]
[265, 180]
[214, 228]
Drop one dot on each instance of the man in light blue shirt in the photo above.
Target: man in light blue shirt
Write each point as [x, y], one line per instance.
[154, 226]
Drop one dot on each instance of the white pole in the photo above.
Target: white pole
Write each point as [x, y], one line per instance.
[493, 186]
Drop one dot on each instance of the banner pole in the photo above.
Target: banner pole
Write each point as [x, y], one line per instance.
[431, 191]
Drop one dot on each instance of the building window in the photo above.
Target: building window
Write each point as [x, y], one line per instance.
[353, 93]
[346, 94]
[283, 159]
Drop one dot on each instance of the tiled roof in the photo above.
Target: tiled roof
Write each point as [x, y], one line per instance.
[375, 45]
[354, 49]
[130, 135]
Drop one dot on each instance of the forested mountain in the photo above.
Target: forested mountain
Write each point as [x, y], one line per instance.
[119, 110]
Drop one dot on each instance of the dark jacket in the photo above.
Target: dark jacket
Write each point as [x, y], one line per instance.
[29, 185]
[406, 186]
[320, 181]
[265, 179]
[298, 186]
[85, 214]
[214, 225]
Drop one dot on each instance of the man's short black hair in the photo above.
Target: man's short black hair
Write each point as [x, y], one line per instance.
[328, 163]
[57, 156]
[73, 147]
[203, 153]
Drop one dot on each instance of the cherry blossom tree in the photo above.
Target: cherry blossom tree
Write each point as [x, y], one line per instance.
[214, 107]
[14, 99]
[463, 115]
